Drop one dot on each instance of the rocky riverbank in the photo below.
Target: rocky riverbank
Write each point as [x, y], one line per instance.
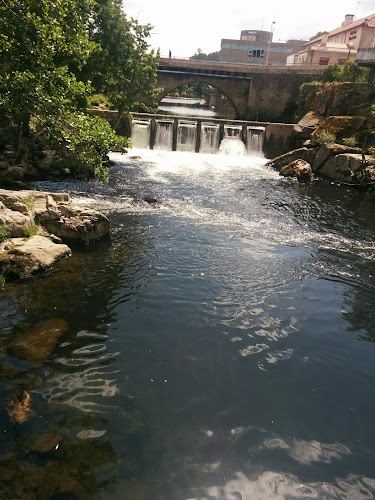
[334, 161]
[36, 228]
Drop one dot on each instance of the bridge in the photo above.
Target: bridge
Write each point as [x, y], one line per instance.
[262, 87]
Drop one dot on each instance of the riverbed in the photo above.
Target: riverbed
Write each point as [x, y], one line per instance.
[220, 346]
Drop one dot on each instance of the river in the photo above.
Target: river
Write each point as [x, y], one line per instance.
[221, 346]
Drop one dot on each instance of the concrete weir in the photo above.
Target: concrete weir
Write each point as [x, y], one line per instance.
[278, 138]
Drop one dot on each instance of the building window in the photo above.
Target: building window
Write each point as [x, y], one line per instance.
[323, 61]
[256, 51]
[342, 62]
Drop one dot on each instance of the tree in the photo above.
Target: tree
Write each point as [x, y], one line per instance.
[124, 67]
[50, 51]
[201, 56]
[353, 73]
[39, 39]
[319, 34]
[332, 73]
[347, 73]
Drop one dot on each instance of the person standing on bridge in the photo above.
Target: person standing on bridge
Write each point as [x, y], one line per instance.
[170, 54]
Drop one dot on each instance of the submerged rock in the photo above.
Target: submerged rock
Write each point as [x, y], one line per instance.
[39, 341]
[18, 408]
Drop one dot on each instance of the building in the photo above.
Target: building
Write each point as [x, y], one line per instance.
[256, 47]
[323, 54]
[338, 45]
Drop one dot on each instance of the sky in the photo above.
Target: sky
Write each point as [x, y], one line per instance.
[185, 26]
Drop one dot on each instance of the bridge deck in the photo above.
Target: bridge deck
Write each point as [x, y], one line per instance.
[218, 68]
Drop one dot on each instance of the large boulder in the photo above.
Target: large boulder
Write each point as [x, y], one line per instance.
[306, 126]
[14, 220]
[306, 154]
[341, 126]
[299, 169]
[327, 151]
[350, 169]
[79, 225]
[54, 211]
[21, 258]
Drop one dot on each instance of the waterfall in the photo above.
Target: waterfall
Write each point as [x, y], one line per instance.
[232, 143]
[209, 138]
[255, 136]
[186, 136]
[182, 136]
[164, 135]
[140, 136]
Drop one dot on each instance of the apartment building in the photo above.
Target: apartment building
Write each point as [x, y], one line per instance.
[338, 45]
[257, 47]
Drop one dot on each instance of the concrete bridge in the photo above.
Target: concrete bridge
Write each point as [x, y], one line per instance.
[244, 85]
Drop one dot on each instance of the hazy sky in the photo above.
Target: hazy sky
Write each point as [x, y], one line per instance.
[183, 26]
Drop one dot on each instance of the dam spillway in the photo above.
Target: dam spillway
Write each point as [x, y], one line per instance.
[163, 132]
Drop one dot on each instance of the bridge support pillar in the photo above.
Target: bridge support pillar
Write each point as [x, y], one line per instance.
[198, 137]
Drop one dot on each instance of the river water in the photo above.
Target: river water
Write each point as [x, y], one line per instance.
[220, 346]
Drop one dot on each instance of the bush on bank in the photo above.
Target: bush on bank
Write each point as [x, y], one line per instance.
[53, 56]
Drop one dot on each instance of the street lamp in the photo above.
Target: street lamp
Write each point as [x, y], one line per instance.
[269, 42]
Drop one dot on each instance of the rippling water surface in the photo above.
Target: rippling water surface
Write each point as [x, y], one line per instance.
[221, 346]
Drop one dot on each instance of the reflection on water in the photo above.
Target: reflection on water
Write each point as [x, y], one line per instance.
[216, 348]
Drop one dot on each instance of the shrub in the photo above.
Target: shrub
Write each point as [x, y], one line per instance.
[4, 233]
[332, 73]
[349, 141]
[325, 137]
[31, 231]
[97, 100]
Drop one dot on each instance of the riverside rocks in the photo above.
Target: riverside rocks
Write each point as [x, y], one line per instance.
[39, 213]
[334, 161]
[298, 168]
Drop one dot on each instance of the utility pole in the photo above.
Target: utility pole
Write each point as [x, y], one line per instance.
[269, 42]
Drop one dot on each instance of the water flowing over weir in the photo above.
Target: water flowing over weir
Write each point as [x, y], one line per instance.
[221, 346]
[199, 136]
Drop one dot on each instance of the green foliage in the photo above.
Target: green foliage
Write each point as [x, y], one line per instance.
[353, 73]
[87, 139]
[347, 73]
[124, 67]
[2, 280]
[98, 100]
[202, 56]
[349, 141]
[332, 73]
[4, 233]
[31, 231]
[325, 137]
[54, 54]
[320, 33]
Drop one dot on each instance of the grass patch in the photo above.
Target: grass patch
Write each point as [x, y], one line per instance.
[325, 137]
[31, 231]
[29, 201]
[4, 232]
